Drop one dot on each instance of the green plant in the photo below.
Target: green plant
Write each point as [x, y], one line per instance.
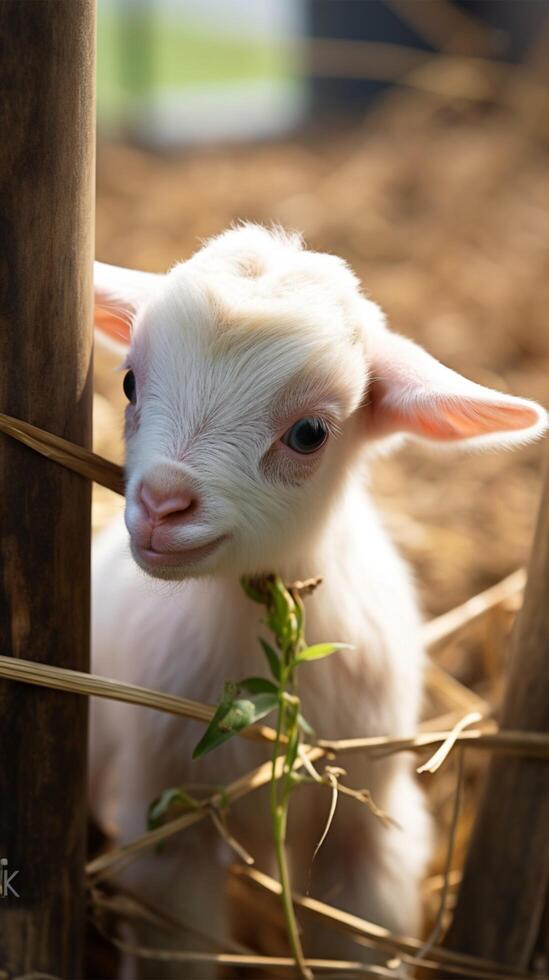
[249, 700]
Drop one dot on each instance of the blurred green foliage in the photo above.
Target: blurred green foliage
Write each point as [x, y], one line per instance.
[142, 53]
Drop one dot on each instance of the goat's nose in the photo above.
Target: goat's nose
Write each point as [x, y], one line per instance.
[160, 505]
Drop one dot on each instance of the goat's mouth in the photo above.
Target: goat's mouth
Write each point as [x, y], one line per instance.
[161, 561]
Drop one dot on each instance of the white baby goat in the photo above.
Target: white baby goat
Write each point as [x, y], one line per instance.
[258, 380]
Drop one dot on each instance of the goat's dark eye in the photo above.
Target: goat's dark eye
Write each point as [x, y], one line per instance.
[129, 386]
[307, 435]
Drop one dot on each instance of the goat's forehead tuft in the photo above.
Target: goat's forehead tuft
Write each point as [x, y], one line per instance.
[248, 238]
[263, 315]
[277, 257]
[251, 279]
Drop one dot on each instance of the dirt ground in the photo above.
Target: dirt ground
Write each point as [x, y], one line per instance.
[443, 211]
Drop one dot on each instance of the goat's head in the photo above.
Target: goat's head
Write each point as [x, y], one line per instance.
[256, 373]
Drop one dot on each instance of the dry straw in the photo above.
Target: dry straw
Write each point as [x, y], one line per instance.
[485, 735]
[66, 453]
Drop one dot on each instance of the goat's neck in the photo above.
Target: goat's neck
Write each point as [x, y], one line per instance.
[343, 535]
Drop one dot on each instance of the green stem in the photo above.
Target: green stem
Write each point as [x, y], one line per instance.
[276, 753]
[279, 826]
[279, 815]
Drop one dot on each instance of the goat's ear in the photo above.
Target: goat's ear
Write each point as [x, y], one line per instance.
[411, 392]
[118, 292]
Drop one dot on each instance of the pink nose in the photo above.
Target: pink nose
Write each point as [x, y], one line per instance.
[159, 506]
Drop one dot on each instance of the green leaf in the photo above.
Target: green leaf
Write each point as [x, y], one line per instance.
[320, 650]
[258, 685]
[222, 709]
[229, 719]
[272, 657]
[224, 725]
[159, 810]
[264, 704]
[305, 727]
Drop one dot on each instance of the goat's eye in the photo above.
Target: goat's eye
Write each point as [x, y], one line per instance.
[129, 386]
[307, 435]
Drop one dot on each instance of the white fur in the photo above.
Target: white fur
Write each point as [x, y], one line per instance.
[252, 331]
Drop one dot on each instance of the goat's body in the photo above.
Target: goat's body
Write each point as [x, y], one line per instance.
[257, 376]
[189, 640]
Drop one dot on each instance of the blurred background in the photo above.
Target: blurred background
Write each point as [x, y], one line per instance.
[410, 137]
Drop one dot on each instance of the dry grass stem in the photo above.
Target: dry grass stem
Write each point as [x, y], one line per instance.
[308, 766]
[331, 776]
[437, 929]
[406, 947]
[224, 832]
[532, 744]
[77, 682]
[68, 454]
[110, 862]
[443, 627]
[444, 750]
[125, 904]
[365, 797]
[446, 721]
[243, 960]
[457, 696]
[435, 883]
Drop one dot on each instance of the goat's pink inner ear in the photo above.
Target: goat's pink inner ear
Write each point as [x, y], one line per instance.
[453, 419]
[113, 324]
[118, 294]
[412, 392]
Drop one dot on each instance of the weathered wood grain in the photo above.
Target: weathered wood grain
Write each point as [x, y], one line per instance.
[47, 54]
[501, 907]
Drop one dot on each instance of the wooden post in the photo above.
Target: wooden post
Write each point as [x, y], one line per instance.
[46, 243]
[502, 903]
